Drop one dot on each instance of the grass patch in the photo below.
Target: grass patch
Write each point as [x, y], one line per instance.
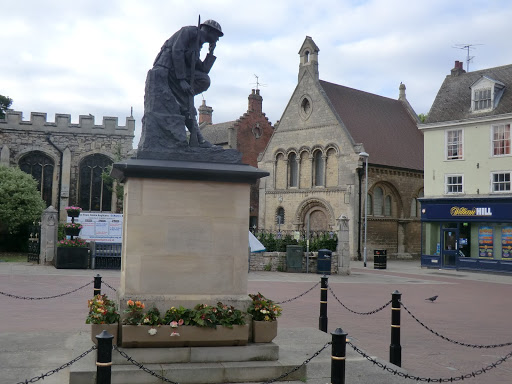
[13, 257]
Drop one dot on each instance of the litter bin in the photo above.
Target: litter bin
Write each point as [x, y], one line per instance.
[380, 259]
[323, 265]
[294, 254]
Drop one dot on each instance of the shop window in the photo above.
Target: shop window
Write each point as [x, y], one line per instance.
[94, 194]
[454, 184]
[318, 167]
[40, 167]
[501, 140]
[501, 182]
[293, 169]
[454, 144]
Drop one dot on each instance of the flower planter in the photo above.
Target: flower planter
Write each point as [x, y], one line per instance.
[72, 258]
[73, 213]
[135, 336]
[96, 329]
[264, 331]
[72, 231]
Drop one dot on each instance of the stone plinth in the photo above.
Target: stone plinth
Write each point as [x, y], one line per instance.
[185, 235]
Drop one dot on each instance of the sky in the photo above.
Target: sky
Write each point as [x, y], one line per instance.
[85, 57]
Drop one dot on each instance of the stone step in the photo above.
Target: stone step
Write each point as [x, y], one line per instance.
[251, 352]
[185, 373]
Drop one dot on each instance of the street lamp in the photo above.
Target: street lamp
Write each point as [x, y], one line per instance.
[365, 156]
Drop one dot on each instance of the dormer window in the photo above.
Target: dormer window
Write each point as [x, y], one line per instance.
[482, 99]
[486, 94]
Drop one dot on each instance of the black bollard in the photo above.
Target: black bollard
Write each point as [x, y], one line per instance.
[395, 349]
[104, 359]
[97, 285]
[339, 350]
[322, 320]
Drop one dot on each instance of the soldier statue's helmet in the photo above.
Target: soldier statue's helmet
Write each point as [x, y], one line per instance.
[214, 25]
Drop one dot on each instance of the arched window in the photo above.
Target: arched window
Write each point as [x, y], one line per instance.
[293, 170]
[387, 206]
[40, 166]
[280, 216]
[280, 176]
[318, 168]
[377, 201]
[416, 205]
[94, 193]
[370, 204]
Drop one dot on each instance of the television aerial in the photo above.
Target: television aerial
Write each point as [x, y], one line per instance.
[467, 47]
[258, 84]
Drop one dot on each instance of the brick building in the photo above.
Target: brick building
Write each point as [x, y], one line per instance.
[66, 159]
[249, 135]
[317, 174]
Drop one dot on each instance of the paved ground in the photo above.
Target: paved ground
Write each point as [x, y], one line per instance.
[472, 307]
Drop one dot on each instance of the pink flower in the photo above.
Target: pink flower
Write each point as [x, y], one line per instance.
[174, 324]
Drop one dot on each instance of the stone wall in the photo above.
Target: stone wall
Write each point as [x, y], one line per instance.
[276, 262]
[66, 144]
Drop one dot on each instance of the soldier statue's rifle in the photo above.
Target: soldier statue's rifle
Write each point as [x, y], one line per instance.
[194, 141]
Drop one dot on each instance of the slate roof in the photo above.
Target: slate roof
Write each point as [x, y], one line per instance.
[217, 133]
[453, 101]
[383, 125]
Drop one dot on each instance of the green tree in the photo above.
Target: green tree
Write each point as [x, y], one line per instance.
[5, 103]
[21, 202]
[423, 117]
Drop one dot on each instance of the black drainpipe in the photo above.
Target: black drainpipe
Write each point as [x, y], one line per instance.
[360, 174]
[48, 139]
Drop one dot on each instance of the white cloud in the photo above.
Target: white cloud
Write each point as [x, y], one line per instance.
[91, 56]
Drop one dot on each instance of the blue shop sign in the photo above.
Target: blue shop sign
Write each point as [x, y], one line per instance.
[466, 211]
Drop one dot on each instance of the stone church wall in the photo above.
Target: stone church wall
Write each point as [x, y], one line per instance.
[64, 142]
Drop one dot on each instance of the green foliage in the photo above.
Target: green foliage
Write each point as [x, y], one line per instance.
[263, 309]
[179, 315]
[152, 317]
[323, 241]
[422, 117]
[268, 267]
[273, 244]
[21, 202]
[5, 103]
[102, 310]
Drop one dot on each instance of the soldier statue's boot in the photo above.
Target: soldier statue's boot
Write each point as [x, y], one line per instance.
[203, 143]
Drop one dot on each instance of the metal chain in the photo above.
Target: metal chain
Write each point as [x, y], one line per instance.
[359, 313]
[299, 366]
[49, 373]
[427, 379]
[44, 297]
[295, 298]
[108, 285]
[141, 366]
[455, 341]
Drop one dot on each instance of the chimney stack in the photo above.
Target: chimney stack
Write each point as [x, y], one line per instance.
[255, 101]
[205, 114]
[458, 69]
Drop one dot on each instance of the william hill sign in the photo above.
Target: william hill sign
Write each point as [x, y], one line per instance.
[463, 211]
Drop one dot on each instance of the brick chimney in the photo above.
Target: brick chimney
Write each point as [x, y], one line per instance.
[205, 114]
[255, 101]
[458, 70]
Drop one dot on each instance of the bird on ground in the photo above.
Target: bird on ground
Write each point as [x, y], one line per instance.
[433, 298]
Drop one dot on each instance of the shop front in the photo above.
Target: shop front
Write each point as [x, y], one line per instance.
[473, 233]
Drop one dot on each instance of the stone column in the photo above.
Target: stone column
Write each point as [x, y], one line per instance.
[343, 248]
[48, 241]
